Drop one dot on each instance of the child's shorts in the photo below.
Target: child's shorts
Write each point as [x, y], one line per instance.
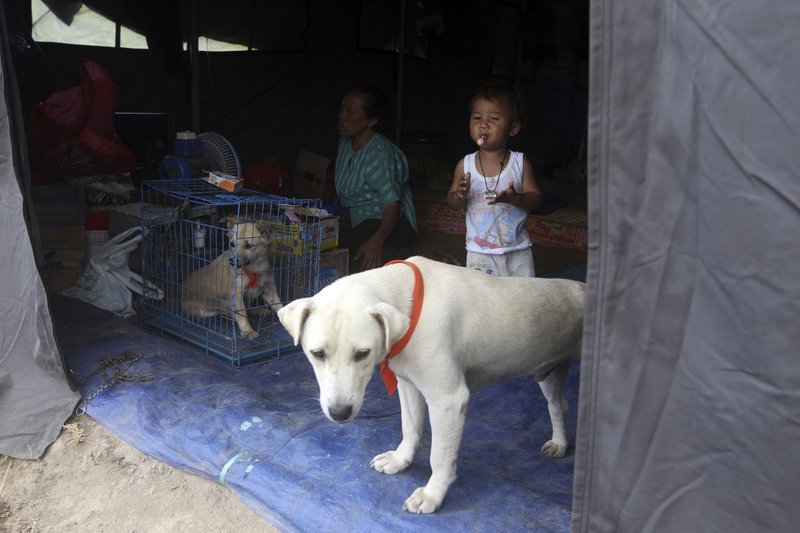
[518, 263]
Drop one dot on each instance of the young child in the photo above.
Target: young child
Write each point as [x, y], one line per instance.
[496, 186]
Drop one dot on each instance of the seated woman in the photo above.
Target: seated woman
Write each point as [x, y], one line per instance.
[372, 183]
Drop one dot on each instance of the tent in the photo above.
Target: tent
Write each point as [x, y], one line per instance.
[36, 395]
[689, 382]
[689, 378]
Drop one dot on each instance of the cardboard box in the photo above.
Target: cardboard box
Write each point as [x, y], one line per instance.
[330, 233]
[61, 269]
[333, 264]
[226, 182]
[327, 268]
[311, 177]
[61, 212]
[300, 226]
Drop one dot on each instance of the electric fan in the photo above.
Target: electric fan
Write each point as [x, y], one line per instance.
[209, 151]
[220, 154]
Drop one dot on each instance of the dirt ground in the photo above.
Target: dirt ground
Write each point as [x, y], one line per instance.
[90, 480]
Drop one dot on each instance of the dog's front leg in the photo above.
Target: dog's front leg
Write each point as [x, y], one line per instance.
[412, 418]
[448, 414]
[240, 315]
[272, 297]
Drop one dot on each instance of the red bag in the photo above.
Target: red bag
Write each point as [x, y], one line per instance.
[72, 131]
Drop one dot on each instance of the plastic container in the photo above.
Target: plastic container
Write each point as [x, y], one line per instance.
[187, 144]
[97, 220]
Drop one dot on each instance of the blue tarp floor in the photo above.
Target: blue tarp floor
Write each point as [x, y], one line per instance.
[262, 428]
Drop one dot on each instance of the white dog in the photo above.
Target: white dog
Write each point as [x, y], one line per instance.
[239, 275]
[472, 330]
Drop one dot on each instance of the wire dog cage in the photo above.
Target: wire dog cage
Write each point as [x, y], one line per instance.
[226, 262]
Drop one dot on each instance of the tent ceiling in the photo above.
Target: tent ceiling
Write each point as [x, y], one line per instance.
[274, 25]
[548, 27]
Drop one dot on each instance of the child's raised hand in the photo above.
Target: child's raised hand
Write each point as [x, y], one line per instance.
[463, 186]
[506, 196]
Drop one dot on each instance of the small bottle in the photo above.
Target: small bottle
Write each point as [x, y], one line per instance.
[199, 238]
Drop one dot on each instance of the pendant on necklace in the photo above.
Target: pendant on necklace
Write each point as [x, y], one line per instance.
[491, 194]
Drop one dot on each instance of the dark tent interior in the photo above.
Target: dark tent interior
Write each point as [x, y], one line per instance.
[285, 96]
[282, 98]
[279, 98]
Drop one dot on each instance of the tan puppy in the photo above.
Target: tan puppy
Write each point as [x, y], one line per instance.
[239, 275]
[473, 329]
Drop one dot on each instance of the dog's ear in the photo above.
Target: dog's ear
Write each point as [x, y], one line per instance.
[392, 321]
[294, 315]
[266, 231]
[229, 221]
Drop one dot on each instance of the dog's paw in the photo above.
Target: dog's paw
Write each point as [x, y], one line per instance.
[389, 463]
[421, 503]
[553, 449]
[252, 334]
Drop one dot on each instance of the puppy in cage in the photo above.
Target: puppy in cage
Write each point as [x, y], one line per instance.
[239, 275]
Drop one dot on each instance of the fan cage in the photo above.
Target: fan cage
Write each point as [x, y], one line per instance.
[220, 153]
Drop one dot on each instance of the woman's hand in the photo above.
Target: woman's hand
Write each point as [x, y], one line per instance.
[370, 253]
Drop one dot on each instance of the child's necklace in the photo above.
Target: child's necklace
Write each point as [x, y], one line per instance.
[492, 193]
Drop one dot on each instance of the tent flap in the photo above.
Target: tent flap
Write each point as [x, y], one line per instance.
[35, 396]
[689, 385]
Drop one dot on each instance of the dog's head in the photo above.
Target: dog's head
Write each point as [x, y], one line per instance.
[248, 239]
[345, 332]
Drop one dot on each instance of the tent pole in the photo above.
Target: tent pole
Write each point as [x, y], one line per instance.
[401, 55]
[518, 51]
[194, 64]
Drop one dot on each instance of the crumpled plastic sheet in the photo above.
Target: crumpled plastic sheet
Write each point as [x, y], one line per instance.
[262, 426]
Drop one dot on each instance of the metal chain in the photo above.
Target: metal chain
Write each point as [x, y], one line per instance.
[120, 374]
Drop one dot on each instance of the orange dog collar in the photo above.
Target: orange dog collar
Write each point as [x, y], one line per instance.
[389, 379]
[252, 278]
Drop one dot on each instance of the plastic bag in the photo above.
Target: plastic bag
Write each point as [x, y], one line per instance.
[107, 281]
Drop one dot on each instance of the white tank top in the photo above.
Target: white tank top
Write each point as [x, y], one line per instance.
[499, 228]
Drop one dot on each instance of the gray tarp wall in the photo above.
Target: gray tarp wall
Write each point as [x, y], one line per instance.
[35, 397]
[690, 385]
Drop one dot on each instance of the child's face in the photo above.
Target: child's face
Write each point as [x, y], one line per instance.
[491, 123]
[352, 119]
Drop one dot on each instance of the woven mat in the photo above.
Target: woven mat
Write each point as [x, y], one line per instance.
[569, 216]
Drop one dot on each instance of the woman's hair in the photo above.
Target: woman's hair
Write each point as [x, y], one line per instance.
[376, 104]
[504, 92]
